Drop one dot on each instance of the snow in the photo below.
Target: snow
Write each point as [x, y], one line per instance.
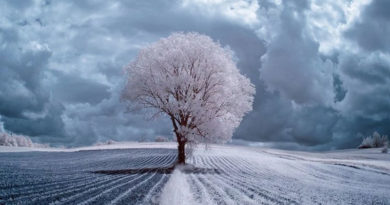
[247, 175]
[172, 195]
[278, 177]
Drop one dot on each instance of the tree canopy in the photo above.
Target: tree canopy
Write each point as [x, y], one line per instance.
[195, 82]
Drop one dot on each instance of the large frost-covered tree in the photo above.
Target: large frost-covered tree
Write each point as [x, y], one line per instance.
[194, 81]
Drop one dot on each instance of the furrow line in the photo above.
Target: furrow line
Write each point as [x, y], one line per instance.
[40, 194]
[200, 193]
[65, 197]
[94, 199]
[121, 196]
[31, 191]
[152, 197]
[218, 195]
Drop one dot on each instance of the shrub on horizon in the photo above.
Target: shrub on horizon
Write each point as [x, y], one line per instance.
[374, 141]
[13, 140]
[161, 139]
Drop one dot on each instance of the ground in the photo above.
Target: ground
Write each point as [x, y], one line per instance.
[222, 175]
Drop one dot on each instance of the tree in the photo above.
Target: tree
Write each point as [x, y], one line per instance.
[194, 81]
[376, 140]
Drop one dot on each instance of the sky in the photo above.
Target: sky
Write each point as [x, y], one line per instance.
[321, 67]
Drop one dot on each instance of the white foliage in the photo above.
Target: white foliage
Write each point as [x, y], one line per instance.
[376, 140]
[15, 140]
[195, 82]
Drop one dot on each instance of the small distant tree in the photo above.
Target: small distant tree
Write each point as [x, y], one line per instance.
[376, 140]
[194, 81]
[161, 139]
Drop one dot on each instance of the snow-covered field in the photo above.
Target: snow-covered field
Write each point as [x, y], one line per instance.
[245, 175]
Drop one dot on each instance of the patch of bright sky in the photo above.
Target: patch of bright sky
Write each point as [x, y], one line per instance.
[327, 22]
[243, 11]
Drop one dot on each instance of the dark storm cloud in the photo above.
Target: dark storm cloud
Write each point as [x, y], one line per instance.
[314, 125]
[25, 104]
[372, 31]
[21, 74]
[49, 126]
[338, 89]
[366, 74]
[275, 126]
[74, 89]
[302, 80]
[292, 64]
[61, 68]
[369, 75]
[368, 70]
[277, 119]
[292, 72]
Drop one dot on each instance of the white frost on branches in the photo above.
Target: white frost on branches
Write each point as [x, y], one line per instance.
[194, 81]
[376, 140]
[14, 140]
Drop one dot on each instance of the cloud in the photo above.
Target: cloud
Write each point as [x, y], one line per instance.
[321, 90]
[1, 126]
[338, 89]
[292, 64]
[371, 31]
[321, 68]
[367, 79]
[21, 74]
[74, 89]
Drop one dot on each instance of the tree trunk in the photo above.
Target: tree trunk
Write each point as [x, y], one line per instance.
[181, 153]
